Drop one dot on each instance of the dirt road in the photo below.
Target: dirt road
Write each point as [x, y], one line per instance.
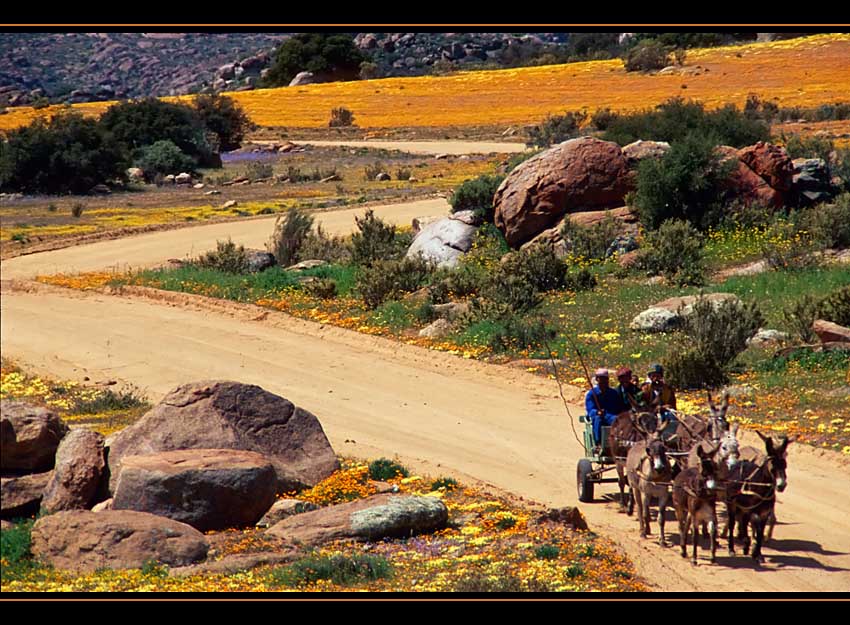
[454, 148]
[437, 413]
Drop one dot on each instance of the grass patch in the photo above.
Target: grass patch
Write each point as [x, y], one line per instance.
[384, 469]
[338, 569]
[16, 561]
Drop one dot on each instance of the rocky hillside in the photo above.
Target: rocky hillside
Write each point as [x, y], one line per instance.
[82, 67]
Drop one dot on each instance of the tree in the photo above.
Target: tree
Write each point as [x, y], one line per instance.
[222, 116]
[333, 55]
[68, 154]
[144, 122]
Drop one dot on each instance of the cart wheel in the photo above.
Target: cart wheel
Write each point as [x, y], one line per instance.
[583, 482]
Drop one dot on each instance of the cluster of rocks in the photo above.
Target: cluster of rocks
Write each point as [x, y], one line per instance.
[585, 179]
[210, 456]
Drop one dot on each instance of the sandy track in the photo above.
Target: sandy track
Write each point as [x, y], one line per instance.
[153, 248]
[432, 148]
[438, 413]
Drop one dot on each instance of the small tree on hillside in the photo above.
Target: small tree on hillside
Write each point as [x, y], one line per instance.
[222, 116]
[332, 55]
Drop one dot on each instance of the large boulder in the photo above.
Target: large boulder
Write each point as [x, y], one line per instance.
[84, 541]
[304, 78]
[20, 496]
[668, 314]
[829, 332]
[373, 518]
[443, 242]
[29, 436]
[639, 150]
[771, 163]
[230, 415]
[259, 260]
[577, 175]
[209, 489]
[80, 465]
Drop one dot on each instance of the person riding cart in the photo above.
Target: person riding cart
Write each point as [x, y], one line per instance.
[602, 404]
[629, 392]
[656, 387]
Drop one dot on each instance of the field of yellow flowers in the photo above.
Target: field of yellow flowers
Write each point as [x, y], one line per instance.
[491, 544]
[796, 72]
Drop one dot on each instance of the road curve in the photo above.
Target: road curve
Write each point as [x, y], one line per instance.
[438, 413]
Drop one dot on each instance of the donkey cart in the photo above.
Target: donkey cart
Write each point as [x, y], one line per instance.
[595, 454]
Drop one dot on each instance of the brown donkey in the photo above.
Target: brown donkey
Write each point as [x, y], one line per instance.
[695, 498]
[627, 430]
[650, 474]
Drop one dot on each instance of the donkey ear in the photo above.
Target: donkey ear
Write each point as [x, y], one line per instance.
[711, 403]
[767, 441]
[733, 429]
[724, 406]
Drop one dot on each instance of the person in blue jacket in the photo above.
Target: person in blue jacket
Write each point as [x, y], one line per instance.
[602, 404]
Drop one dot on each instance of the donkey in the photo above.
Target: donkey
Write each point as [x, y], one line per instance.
[649, 471]
[628, 429]
[752, 495]
[754, 455]
[695, 497]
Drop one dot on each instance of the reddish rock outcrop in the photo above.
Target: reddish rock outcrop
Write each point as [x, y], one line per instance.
[80, 465]
[209, 489]
[829, 332]
[29, 437]
[577, 175]
[372, 518]
[80, 540]
[230, 415]
[771, 163]
[21, 496]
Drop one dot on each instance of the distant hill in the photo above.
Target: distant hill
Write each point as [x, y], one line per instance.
[41, 68]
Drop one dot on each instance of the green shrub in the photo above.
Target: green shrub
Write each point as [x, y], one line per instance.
[835, 360]
[164, 158]
[332, 55]
[383, 469]
[20, 237]
[290, 233]
[445, 483]
[800, 316]
[500, 582]
[323, 288]
[786, 247]
[318, 245]
[390, 279]
[581, 279]
[341, 117]
[403, 173]
[77, 209]
[835, 307]
[477, 195]
[575, 570]
[713, 336]
[799, 146]
[686, 183]
[603, 118]
[675, 251]
[593, 241]
[68, 154]
[828, 224]
[16, 560]
[258, 170]
[339, 569]
[555, 129]
[109, 400]
[225, 118]
[537, 267]
[377, 240]
[646, 56]
[227, 257]
[547, 552]
[370, 172]
[141, 123]
[674, 120]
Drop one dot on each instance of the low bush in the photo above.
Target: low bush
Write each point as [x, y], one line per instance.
[785, 246]
[555, 129]
[646, 56]
[403, 173]
[828, 224]
[16, 560]
[322, 288]
[712, 338]
[835, 307]
[227, 257]
[444, 483]
[258, 170]
[290, 233]
[591, 242]
[676, 119]
[477, 195]
[77, 209]
[341, 117]
[163, 158]
[338, 569]
[384, 469]
[688, 183]
[225, 118]
[109, 400]
[547, 552]
[377, 240]
[836, 360]
[390, 279]
[370, 172]
[800, 315]
[799, 146]
[499, 582]
[675, 251]
[318, 245]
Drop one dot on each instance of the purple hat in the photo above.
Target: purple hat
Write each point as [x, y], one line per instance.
[602, 373]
